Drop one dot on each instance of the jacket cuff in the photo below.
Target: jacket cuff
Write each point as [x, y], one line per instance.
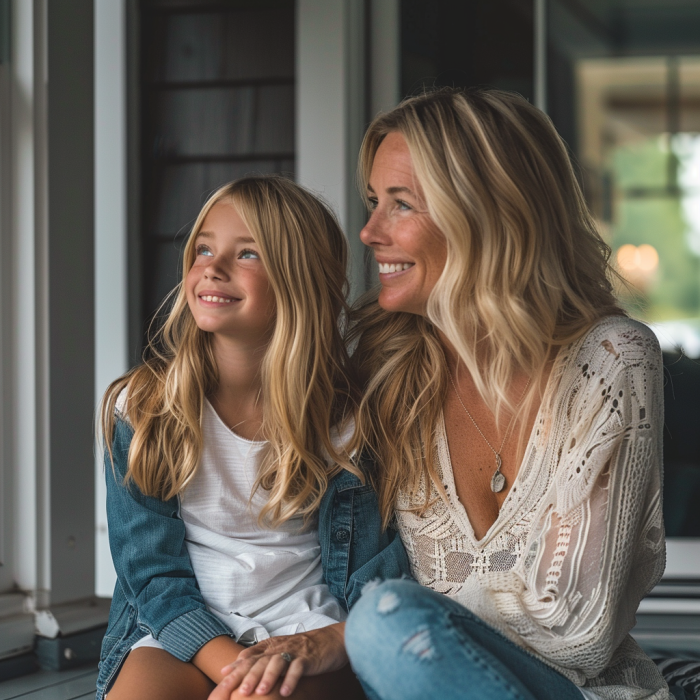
[188, 633]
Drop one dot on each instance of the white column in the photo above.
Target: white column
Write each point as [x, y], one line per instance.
[7, 505]
[330, 110]
[385, 47]
[29, 445]
[111, 304]
[51, 284]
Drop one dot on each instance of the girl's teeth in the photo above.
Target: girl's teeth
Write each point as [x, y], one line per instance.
[218, 300]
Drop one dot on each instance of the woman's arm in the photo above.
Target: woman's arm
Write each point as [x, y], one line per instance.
[147, 541]
[598, 545]
[258, 668]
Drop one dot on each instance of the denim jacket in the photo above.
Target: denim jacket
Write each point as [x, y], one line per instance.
[157, 593]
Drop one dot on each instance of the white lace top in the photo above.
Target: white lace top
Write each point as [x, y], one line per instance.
[579, 540]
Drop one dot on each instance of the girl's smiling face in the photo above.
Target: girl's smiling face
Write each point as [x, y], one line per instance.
[408, 247]
[227, 288]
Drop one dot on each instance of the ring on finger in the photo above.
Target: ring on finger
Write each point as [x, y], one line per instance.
[287, 657]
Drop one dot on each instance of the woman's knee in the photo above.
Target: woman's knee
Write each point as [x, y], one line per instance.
[391, 619]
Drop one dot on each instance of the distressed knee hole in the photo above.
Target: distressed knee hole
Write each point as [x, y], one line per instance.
[420, 645]
[388, 603]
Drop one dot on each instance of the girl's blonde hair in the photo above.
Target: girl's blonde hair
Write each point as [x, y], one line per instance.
[307, 388]
[526, 271]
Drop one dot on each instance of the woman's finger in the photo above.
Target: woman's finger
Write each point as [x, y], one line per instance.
[252, 678]
[276, 667]
[291, 679]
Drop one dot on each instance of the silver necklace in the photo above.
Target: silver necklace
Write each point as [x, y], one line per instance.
[498, 481]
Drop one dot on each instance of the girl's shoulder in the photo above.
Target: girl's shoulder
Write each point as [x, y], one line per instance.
[120, 407]
[341, 437]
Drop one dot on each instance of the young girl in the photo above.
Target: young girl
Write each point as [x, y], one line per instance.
[220, 447]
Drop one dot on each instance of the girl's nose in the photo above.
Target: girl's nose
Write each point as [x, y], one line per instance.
[214, 270]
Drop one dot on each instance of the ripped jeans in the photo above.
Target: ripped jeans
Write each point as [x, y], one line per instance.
[406, 641]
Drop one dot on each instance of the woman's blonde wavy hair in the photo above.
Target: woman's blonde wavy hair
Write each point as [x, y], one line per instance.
[526, 272]
[307, 388]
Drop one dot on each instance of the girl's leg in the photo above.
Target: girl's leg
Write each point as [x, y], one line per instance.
[339, 685]
[154, 674]
[406, 641]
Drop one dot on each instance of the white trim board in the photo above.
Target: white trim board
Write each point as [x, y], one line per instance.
[682, 558]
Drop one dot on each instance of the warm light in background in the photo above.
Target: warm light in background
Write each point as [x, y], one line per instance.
[637, 259]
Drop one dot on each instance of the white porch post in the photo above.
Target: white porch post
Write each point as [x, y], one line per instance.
[111, 303]
[330, 112]
[52, 396]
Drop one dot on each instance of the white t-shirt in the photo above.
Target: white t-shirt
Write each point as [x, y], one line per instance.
[260, 582]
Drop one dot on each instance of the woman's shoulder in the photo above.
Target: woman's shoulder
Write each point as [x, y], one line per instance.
[621, 339]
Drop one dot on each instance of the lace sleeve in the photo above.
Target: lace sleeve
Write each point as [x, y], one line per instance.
[597, 545]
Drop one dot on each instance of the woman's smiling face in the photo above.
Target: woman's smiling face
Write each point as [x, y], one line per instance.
[408, 247]
[227, 287]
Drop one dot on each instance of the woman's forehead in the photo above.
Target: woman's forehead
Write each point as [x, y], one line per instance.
[392, 167]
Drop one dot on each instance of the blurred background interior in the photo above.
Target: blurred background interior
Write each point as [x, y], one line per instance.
[119, 117]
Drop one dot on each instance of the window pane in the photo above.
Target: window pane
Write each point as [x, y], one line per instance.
[467, 43]
[624, 91]
[217, 96]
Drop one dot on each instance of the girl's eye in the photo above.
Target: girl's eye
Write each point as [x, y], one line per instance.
[372, 203]
[403, 206]
[204, 250]
[248, 255]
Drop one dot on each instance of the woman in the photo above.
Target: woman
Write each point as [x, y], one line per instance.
[515, 413]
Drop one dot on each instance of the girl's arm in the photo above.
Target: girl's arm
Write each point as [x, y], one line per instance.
[147, 541]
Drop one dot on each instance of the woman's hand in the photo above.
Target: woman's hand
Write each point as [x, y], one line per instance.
[258, 668]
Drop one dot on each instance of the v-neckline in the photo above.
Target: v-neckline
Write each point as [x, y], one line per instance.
[509, 504]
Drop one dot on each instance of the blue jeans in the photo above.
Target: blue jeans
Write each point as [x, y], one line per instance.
[406, 641]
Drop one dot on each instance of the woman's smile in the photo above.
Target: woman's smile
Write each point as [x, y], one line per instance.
[387, 269]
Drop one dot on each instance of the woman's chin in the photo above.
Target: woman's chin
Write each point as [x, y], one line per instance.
[389, 300]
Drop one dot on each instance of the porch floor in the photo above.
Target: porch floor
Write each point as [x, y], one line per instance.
[78, 683]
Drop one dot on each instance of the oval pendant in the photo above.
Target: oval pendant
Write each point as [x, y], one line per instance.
[498, 481]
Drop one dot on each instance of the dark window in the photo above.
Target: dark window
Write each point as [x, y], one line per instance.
[467, 43]
[217, 102]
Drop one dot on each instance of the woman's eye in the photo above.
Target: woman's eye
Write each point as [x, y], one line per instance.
[403, 206]
[248, 255]
[204, 250]
[372, 203]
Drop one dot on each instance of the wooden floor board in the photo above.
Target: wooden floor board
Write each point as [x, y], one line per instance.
[51, 685]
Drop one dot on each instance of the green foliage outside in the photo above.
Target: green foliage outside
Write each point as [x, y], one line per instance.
[648, 209]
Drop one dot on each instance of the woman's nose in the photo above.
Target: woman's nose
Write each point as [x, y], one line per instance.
[374, 231]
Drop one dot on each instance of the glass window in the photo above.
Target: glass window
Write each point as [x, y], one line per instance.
[217, 99]
[624, 91]
[455, 42]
